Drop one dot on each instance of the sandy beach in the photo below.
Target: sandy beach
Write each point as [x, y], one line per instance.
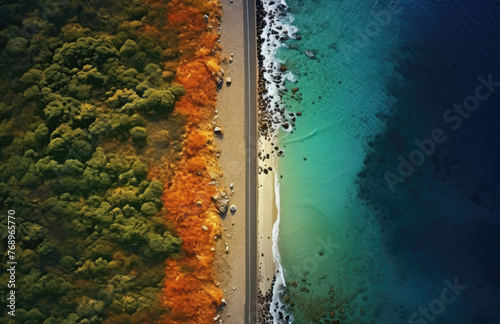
[231, 266]
[266, 215]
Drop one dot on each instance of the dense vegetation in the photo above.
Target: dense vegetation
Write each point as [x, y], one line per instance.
[81, 82]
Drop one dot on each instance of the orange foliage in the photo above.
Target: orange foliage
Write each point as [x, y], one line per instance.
[150, 30]
[189, 292]
[196, 164]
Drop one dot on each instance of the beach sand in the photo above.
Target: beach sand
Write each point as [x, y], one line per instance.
[266, 216]
[231, 267]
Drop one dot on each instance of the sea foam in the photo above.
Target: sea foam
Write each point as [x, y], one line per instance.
[278, 26]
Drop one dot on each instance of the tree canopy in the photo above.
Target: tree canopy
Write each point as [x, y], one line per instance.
[81, 87]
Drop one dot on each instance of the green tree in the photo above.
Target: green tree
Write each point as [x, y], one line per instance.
[129, 48]
[68, 263]
[139, 135]
[33, 77]
[17, 46]
[34, 316]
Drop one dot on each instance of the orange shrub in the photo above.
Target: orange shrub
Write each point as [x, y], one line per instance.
[190, 293]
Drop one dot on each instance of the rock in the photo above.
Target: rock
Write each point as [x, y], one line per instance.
[204, 228]
[205, 17]
[283, 67]
[212, 249]
[299, 113]
[223, 301]
[221, 202]
[199, 203]
[310, 54]
[227, 249]
[233, 209]
[295, 89]
[228, 80]
[218, 130]
[216, 318]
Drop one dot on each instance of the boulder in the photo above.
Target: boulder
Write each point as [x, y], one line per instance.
[221, 202]
[218, 130]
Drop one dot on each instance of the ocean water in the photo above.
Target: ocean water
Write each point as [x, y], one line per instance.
[389, 196]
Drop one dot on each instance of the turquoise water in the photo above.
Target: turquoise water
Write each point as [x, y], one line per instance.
[342, 93]
[351, 249]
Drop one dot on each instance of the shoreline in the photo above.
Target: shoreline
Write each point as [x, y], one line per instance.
[273, 28]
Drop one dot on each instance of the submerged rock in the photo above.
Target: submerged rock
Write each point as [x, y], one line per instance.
[310, 54]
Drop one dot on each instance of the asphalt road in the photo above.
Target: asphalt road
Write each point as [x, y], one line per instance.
[250, 30]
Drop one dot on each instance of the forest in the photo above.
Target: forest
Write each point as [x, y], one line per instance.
[86, 99]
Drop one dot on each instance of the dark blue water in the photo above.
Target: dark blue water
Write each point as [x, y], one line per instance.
[416, 227]
[444, 219]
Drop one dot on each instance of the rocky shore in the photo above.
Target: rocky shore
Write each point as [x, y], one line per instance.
[272, 116]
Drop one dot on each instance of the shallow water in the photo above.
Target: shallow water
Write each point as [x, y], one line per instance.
[382, 77]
